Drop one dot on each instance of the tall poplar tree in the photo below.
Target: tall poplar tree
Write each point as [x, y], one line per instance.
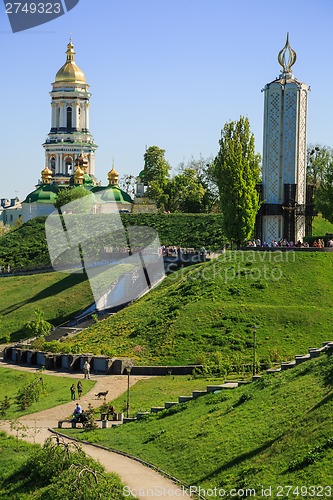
[156, 175]
[236, 171]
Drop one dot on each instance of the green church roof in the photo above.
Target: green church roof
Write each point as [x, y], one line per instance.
[113, 193]
[46, 193]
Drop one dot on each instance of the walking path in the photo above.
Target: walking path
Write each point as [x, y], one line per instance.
[139, 479]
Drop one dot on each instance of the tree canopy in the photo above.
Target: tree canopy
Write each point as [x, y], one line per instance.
[236, 171]
[69, 194]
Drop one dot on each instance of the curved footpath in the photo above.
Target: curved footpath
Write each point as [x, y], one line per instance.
[142, 481]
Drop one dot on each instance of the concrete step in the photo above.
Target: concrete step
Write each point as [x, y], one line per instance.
[142, 414]
[256, 377]
[227, 385]
[287, 365]
[273, 370]
[127, 420]
[156, 409]
[197, 394]
[184, 399]
[169, 404]
[315, 352]
[301, 358]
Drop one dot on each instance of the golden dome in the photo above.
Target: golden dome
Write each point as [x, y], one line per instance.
[113, 177]
[70, 72]
[78, 175]
[46, 175]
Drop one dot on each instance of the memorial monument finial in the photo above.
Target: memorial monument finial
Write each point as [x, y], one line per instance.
[287, 57]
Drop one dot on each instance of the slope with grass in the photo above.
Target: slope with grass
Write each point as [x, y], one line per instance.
[276, 431]
[55, 391]
[321, 226]
[206, 313]
[58, 295]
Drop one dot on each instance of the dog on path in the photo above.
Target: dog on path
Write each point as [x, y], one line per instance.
[101, 394]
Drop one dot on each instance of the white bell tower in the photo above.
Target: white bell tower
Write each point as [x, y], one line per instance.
[283, 212]
[69, 136]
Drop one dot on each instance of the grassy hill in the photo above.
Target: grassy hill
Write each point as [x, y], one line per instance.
[58, 295]
[321, 226]
[276, 431]
[206, 313]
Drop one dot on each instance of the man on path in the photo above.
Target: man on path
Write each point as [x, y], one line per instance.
[86, 369]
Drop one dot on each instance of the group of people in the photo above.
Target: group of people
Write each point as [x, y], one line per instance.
[78, 388]
[320, 243]
[80, 415]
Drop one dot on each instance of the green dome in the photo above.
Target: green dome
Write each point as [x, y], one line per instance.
[142, 174]
[43, 194]
[111, 194]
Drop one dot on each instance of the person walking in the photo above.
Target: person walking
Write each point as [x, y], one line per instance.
[72, 389]
[79, 389]
[86, 370]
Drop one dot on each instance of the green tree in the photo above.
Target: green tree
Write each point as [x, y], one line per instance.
[324, 193]
[156, 176]
[236, 171]
[203, 166]
[186, 192]
[38, 326]
[69, 194]
[318, 161]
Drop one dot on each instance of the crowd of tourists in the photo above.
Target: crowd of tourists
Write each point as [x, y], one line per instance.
[283, 243]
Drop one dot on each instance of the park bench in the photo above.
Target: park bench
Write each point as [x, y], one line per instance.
[72, 422]
[115, 417]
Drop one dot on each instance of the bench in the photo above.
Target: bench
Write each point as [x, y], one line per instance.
[115, 417]
[72, 422]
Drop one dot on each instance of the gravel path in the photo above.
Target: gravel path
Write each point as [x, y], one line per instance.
[142, 481]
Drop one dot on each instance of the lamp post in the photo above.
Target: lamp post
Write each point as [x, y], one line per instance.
[128, 369]
[254, 329]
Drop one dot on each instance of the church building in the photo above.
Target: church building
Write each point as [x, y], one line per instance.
[70, 147]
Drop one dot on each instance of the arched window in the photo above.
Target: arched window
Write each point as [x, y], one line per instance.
[69, 165]
[69, 117]
[52, 164]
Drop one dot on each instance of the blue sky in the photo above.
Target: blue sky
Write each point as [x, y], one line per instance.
[162, 72]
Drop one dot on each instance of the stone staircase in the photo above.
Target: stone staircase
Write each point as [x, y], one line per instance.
[313, 352]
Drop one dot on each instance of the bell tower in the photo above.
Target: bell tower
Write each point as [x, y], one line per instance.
[69, 136]
[283, 213]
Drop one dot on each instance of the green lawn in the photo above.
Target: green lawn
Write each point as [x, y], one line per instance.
[58, 295]
[204, 314]
[56, 390]
[276, 431]
[321, 226]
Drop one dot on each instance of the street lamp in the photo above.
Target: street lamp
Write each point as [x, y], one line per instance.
[128, 369]
[254, 328]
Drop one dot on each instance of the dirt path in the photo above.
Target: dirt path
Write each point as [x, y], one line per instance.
[142, 481]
